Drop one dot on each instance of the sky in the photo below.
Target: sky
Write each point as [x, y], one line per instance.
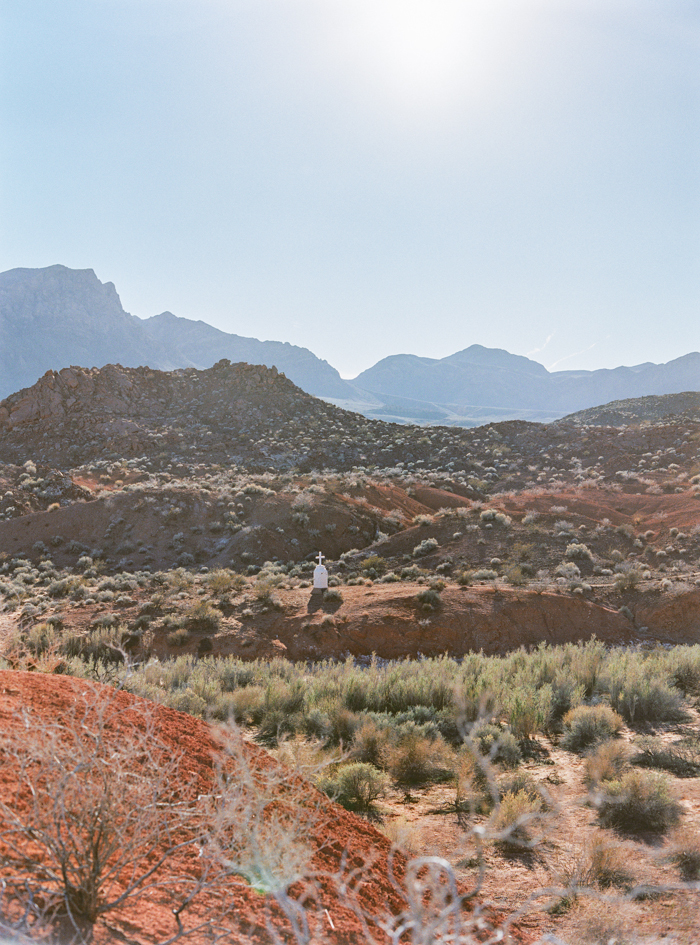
[367, 177]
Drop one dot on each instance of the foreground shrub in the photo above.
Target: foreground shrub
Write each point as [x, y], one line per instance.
[587, 724]
[685, 671]
[513, 819]
[640, 696]
[686, 857]
[473, 791]
[100, 807]
[639, 801]
[601, 863]
[498, 745]
[369, 743]
[607, 762]
[355, 786]
[418, 760]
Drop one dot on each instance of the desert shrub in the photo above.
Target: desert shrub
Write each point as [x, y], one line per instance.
[203, 617]
[601, 863]
[102, 806]
[568, 570]
[516, 576]
[40, 638]
[429, 599]
[564, 693]
[223, 581]
[607, 762]
[464, 578]
[526, 709]
[374, 563]
[355, 786]
[389, 578]
[178, 637]
[403, 835]
[369, 742]
[281, 712]
[332, 596]
[628, 580]
[640, 693]
[686, 857]
[639, 801]
[587, 724]
[497, 744]
[63, 587]
[426, 547]
[685, 669]
[485, 574]
[576, 551]
[681, 759]
[240, 706]
[419, 760]
[423, 520]
[264, 591]
[511, 822]
[473, 793]
[609, 864]
[341, 726]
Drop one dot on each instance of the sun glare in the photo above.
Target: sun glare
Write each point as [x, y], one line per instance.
[419, 53]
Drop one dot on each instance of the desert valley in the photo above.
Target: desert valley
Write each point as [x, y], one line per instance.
[482, 726]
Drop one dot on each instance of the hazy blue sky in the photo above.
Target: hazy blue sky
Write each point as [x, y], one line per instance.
[367, 177]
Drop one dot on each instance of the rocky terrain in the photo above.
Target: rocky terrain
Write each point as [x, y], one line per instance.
[618, 413]
[54, 317]
[158, 531]
[221, 907]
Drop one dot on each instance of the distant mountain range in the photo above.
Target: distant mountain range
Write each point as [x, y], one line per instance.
[56, 317]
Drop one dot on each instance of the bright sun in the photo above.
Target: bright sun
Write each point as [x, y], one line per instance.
[419, 52]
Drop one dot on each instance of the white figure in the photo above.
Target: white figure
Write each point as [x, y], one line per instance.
[320, 575]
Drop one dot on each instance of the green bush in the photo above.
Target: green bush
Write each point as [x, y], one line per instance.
[641, 696]
[512, 820]
[355, 786]
[516, 576]
[426, 547]
[498, 745]
[369, 742]
[685, 669]
[587, 724]
[178, 637]
[374, 563]
[429, 599]
[419, 760]
[639, 801]
[203, 618]
[575, 551]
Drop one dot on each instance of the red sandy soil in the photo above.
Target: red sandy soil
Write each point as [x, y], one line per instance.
[343, 842]
[389, 620]
[657, 512]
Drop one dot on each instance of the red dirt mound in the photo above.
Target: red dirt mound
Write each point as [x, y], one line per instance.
[345, 847]
[657, 512]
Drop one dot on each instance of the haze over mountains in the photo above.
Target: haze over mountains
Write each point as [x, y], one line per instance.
[56, 317]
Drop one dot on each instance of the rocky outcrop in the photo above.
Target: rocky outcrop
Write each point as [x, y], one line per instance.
[54, 317]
